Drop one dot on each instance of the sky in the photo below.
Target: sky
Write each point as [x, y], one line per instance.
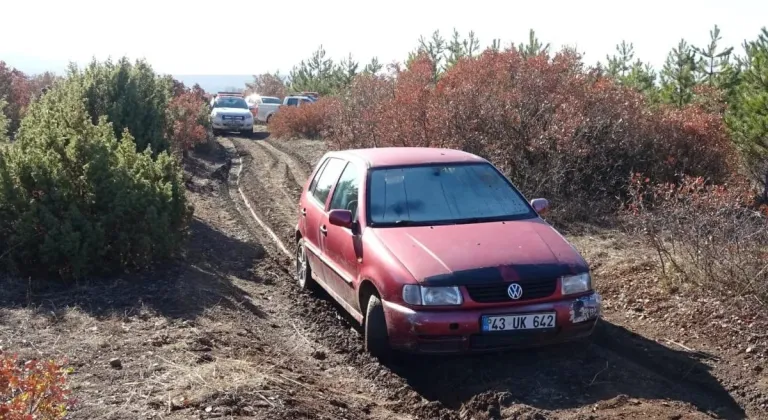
[242, 37]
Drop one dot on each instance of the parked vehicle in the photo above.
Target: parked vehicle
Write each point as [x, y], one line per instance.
[263, 107]
[436, 251]
[296, 100]
[231, 113]
[220, 94]
[265, 112]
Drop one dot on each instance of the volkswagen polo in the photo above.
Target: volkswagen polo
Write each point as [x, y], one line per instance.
[436, 251]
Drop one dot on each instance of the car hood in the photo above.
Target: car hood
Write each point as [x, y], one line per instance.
[232, 111]
[482, 252]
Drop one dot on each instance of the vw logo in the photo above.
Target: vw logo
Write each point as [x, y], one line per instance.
[515, 291]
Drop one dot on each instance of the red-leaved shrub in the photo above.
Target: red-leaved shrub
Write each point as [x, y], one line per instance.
[307, 120]
[708, 237]
[33, 389]
[556, 129]
[188, 117]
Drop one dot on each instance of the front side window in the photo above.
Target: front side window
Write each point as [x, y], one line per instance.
[443, 194]
[345, 194]
[292, 102]
[327, 179]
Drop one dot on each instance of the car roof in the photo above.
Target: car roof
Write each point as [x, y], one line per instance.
[405, 156]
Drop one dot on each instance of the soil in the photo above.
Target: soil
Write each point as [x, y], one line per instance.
[223, 331]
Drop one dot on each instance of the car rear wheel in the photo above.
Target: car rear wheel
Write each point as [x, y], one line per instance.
[303, 271]
[376, 337]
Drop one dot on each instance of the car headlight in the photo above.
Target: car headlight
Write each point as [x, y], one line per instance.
[431, 296]
[576, 284]
[248, 117]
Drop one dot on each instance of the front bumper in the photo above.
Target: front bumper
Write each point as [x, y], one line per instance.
[459, 331]
[243, 126]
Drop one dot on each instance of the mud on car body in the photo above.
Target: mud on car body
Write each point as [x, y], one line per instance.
[435, 251]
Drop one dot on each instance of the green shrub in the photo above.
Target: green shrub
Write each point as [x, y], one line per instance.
[130, 95]
[4, 123]
[76, 199]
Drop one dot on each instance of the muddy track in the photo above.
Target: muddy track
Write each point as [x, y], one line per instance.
[628, 371]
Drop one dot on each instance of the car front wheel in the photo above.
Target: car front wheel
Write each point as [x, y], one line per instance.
[376, 337]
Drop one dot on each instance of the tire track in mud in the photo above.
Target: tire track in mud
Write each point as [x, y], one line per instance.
[297, 169]
[557, 379]
[264, 179]
[301, 311]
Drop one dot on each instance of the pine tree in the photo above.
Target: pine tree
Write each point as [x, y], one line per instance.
[642, 77]
[534, 47]
[434, 48]
[346, 72]
[495, 45]
[711, 64]
[315, 75]
[621, 64]
[715, 68]
[747, 117]
[373, 67]
[678, 76]
[461, 48]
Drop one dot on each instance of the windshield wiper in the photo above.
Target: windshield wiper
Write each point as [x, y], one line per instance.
[470, 220]
[403, 222]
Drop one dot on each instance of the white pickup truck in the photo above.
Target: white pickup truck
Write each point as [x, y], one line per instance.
[264, 107]
[230, 113]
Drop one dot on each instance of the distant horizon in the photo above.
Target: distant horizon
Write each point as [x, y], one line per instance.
[209, 82]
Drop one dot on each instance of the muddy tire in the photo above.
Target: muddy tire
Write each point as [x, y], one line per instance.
[376, 337]
[303, 271]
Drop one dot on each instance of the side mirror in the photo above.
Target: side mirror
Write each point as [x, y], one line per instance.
[541, 205]
[340, 217]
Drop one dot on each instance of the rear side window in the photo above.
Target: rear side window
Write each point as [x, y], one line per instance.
[327, 179]
[317, 176]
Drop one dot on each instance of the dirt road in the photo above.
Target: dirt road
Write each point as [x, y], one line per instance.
[224, 332]
[620, 373]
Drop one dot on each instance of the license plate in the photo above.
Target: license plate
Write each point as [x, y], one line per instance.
[231, 123]
[519, 322]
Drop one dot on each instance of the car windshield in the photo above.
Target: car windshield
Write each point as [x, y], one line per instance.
[230, 102]
[443, 194]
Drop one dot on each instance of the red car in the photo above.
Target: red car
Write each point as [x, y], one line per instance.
[436, 251]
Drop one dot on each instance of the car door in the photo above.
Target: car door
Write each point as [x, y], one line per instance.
[341, 246]
[312, 211]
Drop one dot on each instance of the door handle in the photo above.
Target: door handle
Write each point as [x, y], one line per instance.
[304, 212]
[323, 230]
